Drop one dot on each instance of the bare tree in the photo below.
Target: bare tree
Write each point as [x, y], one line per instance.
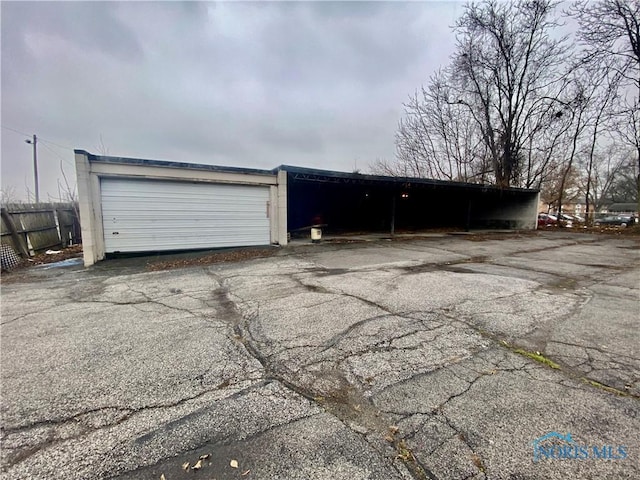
[382, 166]
[498, 112]
[8, 195]
[578, 107]
[622, 187]
[591, 115]
[611, 168]
[511, 71]
[610, 33]
[436, 139]
[603, 96]
[515, 108]
[101, 148]
[561, 187]
[610, 29]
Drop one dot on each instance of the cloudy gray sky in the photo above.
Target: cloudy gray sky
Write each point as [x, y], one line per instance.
[245, 84]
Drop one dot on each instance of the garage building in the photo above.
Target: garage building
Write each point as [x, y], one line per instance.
[135, 205]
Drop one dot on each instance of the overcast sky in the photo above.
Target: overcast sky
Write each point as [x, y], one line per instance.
[244, 84]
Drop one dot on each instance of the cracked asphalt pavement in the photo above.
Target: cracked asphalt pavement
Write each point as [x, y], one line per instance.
[429, 358]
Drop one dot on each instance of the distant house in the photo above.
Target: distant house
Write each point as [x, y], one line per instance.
[621, 208]
[570, 208]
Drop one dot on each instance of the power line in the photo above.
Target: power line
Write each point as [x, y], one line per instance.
[56, 144]
[57, 154]
[66, 147]
[44, 142]
[17, 131]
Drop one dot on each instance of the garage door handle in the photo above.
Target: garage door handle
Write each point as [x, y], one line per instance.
[115, 233]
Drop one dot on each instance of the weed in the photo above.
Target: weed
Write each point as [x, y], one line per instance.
[604, 387]
[538, 357]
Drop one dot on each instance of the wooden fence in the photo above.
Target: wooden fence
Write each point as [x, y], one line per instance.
[31, 228]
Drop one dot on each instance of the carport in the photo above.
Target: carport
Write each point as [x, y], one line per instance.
[353, 202]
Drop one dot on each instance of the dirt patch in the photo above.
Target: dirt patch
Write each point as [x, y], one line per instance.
[65, 253]
[343, 240]
[212, 258]
[634, 230]
[483, 237]
[604, 229]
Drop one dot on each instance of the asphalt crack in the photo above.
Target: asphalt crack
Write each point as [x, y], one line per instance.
[343, 401]
[81, 420]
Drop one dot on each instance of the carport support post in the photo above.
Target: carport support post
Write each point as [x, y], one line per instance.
[393, 214]
[468, 223]
[282, 208]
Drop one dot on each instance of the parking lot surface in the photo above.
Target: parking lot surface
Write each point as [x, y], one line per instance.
[455, 357]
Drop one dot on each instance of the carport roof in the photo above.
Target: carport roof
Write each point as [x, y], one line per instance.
[331, 176]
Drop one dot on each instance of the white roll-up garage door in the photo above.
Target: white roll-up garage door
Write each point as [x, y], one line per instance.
[154, 215]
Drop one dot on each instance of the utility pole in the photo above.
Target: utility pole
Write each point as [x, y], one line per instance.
[35, 165]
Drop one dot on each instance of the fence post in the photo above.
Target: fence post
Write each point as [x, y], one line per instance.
[17, 240]
[62, 233]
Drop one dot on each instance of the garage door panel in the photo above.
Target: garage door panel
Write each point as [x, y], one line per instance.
[152, 215]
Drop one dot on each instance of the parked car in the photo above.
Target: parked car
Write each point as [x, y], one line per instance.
[565, 220]
[617, 220]
[545, 220]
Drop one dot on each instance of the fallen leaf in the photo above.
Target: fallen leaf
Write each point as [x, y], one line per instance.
[225, 383]
[389, 438]
[197, 466]
[234, 463]
[246, 473]
[162, 477]
[205, 456]
[185, 466]
[393, 429]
